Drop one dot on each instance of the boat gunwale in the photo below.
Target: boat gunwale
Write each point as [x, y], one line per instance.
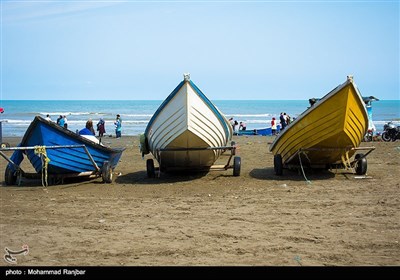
[86, 142]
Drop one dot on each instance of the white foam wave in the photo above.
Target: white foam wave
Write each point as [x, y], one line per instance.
[71, 113]
[385, 122]
[17, 122]
[137, 115]
[266, 121]
[91, 113]
[248, 115]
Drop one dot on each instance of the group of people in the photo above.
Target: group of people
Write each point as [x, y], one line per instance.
[284, 120]
[101, 127]
[61, 120]
[88, 129]
[236, 126]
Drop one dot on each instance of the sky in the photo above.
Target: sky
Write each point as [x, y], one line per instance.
[254, 50]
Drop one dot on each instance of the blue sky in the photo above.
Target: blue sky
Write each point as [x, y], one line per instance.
[269, 50]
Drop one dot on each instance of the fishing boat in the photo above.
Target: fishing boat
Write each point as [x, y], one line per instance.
[187, 132]
[327, 134]
[267, 131]
[60, 153]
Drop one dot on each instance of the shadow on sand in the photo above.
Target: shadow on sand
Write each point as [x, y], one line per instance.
[140, 177]
[292, 175]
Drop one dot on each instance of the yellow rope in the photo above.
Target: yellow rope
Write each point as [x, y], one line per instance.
[41, 151]
[346, 161]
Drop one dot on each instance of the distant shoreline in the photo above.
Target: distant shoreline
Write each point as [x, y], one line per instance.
[136, 114]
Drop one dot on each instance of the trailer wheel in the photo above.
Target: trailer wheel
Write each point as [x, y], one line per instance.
[5, 145]
[236, 166]
[9, 177]
[361, 164]
[278, 165]
[150, 168]
[106, 172]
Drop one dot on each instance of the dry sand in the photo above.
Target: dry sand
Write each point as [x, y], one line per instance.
[212, 219]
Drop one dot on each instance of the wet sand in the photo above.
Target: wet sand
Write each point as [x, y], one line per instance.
[212, 219]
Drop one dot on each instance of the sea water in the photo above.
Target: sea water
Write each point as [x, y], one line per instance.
[136, 114]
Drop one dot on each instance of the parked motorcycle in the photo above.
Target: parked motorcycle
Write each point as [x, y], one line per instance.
[391, 132]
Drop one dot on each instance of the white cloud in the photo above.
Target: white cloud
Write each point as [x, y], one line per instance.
[14, 12]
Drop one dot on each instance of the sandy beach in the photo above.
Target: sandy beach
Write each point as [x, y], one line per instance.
[211, 219]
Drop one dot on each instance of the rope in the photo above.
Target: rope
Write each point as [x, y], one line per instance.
[301, 165]
[41, 151]
[346, 162]
[159, 172]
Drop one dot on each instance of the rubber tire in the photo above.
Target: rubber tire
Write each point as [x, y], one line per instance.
[386, 137]
[361, 165]
[278, 165]
[9, 177]
[106, 172]
[237, 162]
[150, 168]
[5, 145]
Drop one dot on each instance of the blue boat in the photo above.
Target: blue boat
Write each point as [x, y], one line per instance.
[259, 131]
[61, 153]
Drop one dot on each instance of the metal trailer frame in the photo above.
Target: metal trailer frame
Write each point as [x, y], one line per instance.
[105, 172]
[358, 165]
[3, 144]
[236, 166]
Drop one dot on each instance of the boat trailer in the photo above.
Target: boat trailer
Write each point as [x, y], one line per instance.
[151, 170]
[14, 176]
[357, 166]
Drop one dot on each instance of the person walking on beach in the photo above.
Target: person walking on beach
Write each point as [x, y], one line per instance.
[288, 120]
[282, 119]
[118, 126]
[101, 127]
[232, 122]
[88, 130]
[235, 127]
[65, 122]
[61, 121]
[273, 126]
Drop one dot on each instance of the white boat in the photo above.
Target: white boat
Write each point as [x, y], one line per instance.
[187, 132]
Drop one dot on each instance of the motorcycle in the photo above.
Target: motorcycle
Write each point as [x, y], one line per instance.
[391, 132]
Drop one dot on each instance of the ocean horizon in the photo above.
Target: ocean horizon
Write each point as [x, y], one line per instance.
[135, 114]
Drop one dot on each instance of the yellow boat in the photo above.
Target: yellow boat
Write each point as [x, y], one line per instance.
[327, 134]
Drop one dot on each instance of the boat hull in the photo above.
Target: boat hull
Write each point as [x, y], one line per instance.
[327, 131]
[186, 130]
[65, 160]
